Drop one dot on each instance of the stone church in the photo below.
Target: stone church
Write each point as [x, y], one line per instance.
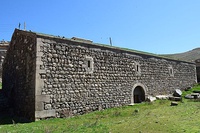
[50, 76]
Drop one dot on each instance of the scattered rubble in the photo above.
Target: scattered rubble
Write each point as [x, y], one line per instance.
[162, 97]
[151, 98]
[189, 96]
[194, 95]
[176, 96]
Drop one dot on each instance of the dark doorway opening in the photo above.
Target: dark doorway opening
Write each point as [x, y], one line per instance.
[198, 74]
[139, 94]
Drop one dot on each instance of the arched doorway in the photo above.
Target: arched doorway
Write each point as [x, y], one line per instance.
[138, 94]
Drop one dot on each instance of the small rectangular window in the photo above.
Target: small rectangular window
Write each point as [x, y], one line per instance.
[171, 71]
[137, 68]
[89, 64]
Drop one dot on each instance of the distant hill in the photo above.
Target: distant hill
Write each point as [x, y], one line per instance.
[190, 56]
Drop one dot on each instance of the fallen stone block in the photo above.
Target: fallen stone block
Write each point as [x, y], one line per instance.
[196, 95]
[188, 88]
[174, 103]
[175, 98]
[177, 93]
[151, 98]
[196, 91]
[189, 96]
[162, 97]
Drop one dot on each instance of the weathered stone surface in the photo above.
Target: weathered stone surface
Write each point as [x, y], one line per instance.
[174, 103]
[45, 114]
[162, 97]
[189, 96]
[19, 74]
[175, 98]
[177, 93]
[195, 95]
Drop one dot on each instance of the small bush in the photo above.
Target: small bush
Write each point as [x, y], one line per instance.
[135, 112]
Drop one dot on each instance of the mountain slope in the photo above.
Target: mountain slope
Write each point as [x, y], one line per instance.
[190, 56]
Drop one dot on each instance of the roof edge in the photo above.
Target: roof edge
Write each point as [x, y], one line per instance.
[105, 46]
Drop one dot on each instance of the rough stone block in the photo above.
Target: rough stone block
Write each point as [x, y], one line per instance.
[177, 93]
[162, 97]
[42, 98]
[39, 106]
[151, 98]
[174, 103]
[45, 114]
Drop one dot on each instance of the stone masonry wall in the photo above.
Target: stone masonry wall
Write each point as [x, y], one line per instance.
[47, 76]
[19, 74]
[76, 77]
[3, 48]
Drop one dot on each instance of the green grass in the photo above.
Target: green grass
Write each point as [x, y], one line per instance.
[196, 87]
[156, 117]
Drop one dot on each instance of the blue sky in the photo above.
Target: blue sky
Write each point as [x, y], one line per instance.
[156, 26]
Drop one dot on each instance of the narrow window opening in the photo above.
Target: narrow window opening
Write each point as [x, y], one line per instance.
[137, 68]
[171, 72]
[89, 64]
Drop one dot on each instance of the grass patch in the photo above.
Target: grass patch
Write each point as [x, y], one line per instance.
[196, 87]
[157, 117]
